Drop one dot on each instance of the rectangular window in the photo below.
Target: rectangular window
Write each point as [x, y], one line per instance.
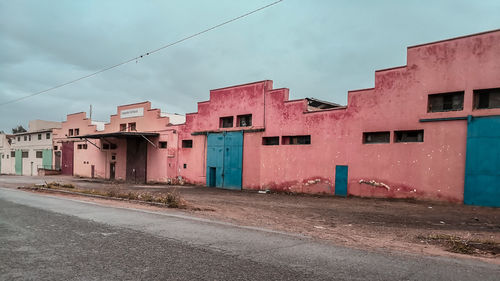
[446, 102]
[82, 146]
[244, 120]
[131, 127]
[376, 137]
[55, 147]
[187, 143]
[112, 146]
[39, 154]
[47, 135]
[24, 154]
[162, 144]
[70, 132]
[77, 132]
[226, 122]
[18, 138]
[25, 138]
[12, 154]
[29, 137]
[39, 136]
[487, 98]
[409, 136]
[105, 146]
[270, 140]
[123, 127]
[293, 140]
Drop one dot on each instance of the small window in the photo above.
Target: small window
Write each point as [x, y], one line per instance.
[39, 154]
[113, 146]
[55, 147]
[18, 138]
[105, 146]
[270, 140]
[131, 127]
[24, 154]
[25, 138]
[293, 140]
[123, 127]
[12, 154]
[376, 137]
[29, 137]
[47, 135]
[79, 146]
[187, 143]
[82, 146]
[39, 136]
[77, 132]
[162, 144]
[185, 165]
[226, 122]
[244, 120]
[409, 136]
[113, 156]
[487, 98]
[446, 102]
[70, 132]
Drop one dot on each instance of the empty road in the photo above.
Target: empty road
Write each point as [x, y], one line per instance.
[46, 237]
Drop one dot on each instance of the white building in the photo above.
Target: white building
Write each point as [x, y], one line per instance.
[25, 153]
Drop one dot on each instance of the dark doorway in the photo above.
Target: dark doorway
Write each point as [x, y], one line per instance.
[137, 150]
[57, 160]
[111, 170]
[67, 158]
[212, 176]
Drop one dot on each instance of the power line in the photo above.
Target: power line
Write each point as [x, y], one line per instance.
[143, 55]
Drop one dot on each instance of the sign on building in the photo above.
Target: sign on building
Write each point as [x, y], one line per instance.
[133, 112]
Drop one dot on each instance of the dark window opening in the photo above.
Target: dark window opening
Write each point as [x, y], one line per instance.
[77, 132]
[25, 138]
[105, 146]
[39, 154]
[113, 146]
[487, 98]
[39, 136]
[82, 146]
[187, 143]
[18, 138]
[244, 120]
[376, 137]
[226, 122]
[131, 127]
[292, 140]
[29, 137]
[446, 102]
[123, 127]
[163, 144]
[185, 166]
[70, 132]
[24, 154]
[113, 156]
[409, 136]
[55, 147]
[270, 140]
[47, 135]
[12, 154]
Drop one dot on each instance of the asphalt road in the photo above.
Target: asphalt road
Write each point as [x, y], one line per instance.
[51, 238]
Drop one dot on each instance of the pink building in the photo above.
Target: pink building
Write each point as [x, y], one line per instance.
[429, 130]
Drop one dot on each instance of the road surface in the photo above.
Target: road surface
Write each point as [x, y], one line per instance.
[46, 237]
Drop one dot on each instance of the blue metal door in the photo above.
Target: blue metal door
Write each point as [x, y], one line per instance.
[225, 160]
[341, 180]
[215, 159]
[482, 165]
[233, 160]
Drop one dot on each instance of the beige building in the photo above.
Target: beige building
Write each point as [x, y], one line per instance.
[25, 153]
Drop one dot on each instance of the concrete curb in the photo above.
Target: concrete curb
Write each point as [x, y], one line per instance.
[95, 196]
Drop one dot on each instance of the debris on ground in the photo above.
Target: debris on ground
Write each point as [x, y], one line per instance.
[456, 244]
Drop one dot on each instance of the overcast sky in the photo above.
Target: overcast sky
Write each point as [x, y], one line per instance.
[315, 48]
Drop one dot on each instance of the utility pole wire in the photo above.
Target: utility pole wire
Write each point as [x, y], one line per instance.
[143, 55]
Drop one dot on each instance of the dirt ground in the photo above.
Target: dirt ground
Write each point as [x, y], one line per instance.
[380, 224]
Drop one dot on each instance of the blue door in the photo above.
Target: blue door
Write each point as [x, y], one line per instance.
[341, 180]
[225, 160]
[482, 165]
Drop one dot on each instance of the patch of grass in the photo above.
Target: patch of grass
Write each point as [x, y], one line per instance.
[456, 244]
[59, 185]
